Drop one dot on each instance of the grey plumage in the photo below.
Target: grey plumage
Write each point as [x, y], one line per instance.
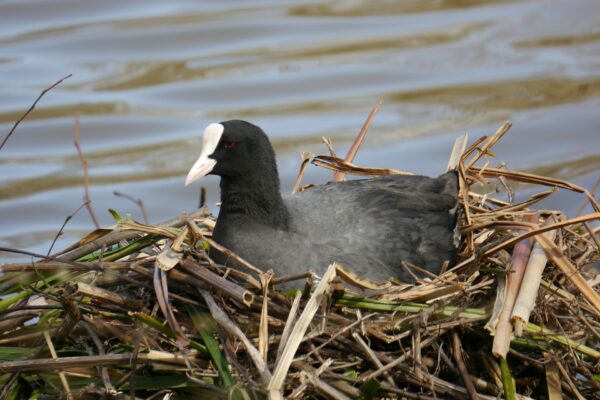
[369, 225]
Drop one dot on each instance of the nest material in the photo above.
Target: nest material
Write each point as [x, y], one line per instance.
[141, 310]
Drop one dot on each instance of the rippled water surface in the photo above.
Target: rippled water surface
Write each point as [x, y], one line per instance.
[148, 76]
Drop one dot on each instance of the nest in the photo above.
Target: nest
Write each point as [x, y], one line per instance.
[140, 311]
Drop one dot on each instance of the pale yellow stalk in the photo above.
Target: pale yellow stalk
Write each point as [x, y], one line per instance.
[503, 327]
[531, 281]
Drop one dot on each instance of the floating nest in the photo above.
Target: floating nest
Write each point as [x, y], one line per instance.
[140, 311]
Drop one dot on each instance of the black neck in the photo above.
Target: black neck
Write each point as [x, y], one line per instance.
[256, 198]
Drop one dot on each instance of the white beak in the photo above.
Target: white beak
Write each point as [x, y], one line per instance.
[204, 164]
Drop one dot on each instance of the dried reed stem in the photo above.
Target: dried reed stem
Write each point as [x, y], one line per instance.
[282, 367]
[84, 165]
[340, 176]
[31, 109]
[139, 202]
[457, 351]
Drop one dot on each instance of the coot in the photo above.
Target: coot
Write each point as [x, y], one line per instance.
[368, 225]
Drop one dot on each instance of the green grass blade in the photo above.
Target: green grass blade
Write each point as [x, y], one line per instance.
[5, 303]
[550, 335]
[508, 384]
[9, 353]
[115, 215]
[382, 305]
[118, 253]
[205, 327]
[14, 392]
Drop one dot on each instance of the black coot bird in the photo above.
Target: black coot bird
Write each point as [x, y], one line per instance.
[368, 225]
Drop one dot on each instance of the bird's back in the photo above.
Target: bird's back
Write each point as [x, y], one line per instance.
[374, 224]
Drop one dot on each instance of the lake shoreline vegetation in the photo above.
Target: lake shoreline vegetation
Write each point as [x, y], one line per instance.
[139, 311]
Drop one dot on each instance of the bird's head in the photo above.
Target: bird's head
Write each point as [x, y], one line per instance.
[232, 149]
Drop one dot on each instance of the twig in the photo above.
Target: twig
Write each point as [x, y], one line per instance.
[337, 164]
[84, 266]
[60, 231]
[433, 383]
[525, 177]
[306, 157]
[227, 287]
[32, 107]
[329, 146]
[290, 278]
[460, 364]
[567, 377]
[139, 202]
[399, 360]
[345, 329]
[493, 139]
[84, 164]
[509, 191]
[340, 176]
[590, 230]
[232, 255]
[61, 374]
[103, 370]
[534, 231]
[325, 388]
[592, 194]
[409, 394]
[61, 265]
[106, 296]
[62, 363]
[372, 356]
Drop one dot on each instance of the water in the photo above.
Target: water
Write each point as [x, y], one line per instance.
[147, 78]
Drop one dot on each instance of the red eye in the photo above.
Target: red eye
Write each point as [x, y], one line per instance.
[229, 144]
